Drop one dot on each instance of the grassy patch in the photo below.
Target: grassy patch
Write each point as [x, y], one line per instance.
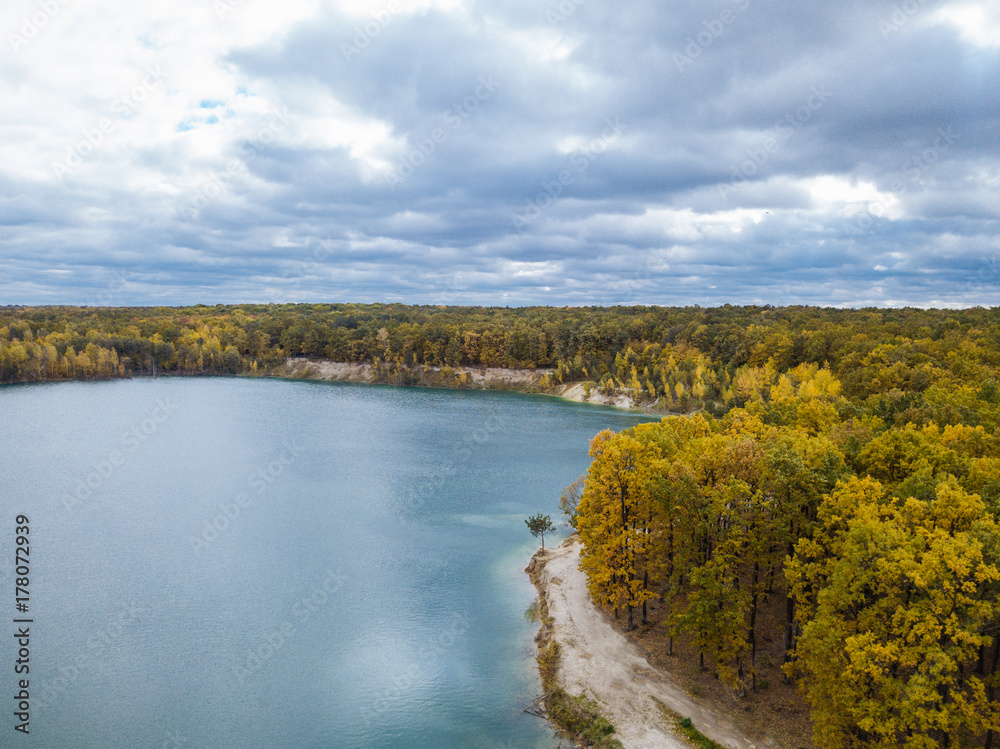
[580, 717]
[694, 736]
[532, 614]
[686, 728]
[548, 663]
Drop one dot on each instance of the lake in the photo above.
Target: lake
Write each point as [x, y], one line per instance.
[227, 562]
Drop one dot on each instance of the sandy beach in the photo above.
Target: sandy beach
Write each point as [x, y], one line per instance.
[600, 662]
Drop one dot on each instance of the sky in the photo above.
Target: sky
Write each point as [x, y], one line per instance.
[501, 152]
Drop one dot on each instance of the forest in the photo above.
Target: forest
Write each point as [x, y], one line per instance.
[902, 365]
[875, 532]
[841, 465]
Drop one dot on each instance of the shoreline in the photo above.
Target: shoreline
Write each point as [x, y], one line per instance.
[457, 378]
[497, 379]
[595, 660]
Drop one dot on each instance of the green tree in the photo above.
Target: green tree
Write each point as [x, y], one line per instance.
[539, 525]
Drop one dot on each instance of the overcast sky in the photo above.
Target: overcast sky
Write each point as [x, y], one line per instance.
[503, 152]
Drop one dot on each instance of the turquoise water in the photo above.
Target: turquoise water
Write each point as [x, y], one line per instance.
[258, 563]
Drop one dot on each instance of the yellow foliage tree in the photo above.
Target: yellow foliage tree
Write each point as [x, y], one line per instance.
[901, 595]
[613, 521]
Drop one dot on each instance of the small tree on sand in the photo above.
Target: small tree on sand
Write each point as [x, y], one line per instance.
[539, 525]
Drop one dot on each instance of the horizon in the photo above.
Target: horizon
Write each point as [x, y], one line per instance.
[763, 306]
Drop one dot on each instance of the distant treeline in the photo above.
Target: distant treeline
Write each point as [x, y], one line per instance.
[904, 364]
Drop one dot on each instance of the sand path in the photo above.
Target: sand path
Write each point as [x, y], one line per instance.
[598, 660]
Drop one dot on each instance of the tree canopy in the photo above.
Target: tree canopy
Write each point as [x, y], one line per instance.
[883, 538]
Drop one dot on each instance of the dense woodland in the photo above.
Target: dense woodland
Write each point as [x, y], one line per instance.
[844, 462]
[878, 529]
[901, 365]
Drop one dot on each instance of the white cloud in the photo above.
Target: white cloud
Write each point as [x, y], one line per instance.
[978, 23]
[835, 193]
[379, 8]
[530, 270]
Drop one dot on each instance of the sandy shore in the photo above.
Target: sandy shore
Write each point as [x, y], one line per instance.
[575, 391]
[598, 660]
[486, 378]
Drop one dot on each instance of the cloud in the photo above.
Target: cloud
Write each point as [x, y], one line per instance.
[458, 151]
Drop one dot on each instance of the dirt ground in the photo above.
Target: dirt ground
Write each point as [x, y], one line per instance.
[495, 378]
[774, 715]
[600, 661]
[576, 392]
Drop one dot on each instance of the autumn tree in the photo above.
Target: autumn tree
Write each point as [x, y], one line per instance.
[569, 499]
[901, 595]
[613, 521]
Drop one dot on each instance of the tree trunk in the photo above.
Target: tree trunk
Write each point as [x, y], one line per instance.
[991, 690]
[645, 587]
[789, 621]
[753, 627]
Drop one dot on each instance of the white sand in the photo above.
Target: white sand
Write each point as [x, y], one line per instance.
[598, 660]
[477, 377]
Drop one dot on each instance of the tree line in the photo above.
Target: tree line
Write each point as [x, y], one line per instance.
[902, 364]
